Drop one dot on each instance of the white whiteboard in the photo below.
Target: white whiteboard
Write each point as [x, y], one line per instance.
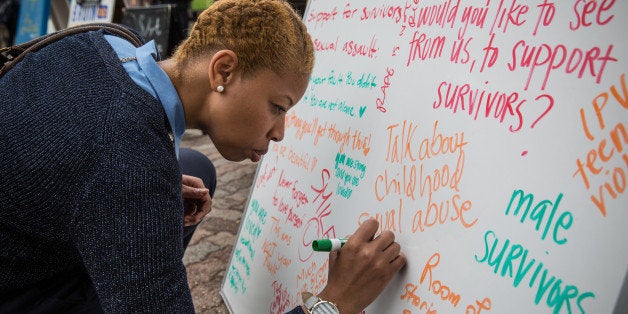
[490, 136]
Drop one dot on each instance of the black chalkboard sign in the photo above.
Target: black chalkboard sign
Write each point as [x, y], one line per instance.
[156, 22]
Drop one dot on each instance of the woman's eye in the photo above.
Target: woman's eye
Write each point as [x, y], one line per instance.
[278, 109]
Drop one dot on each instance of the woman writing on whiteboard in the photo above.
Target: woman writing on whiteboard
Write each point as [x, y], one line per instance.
[96, 212]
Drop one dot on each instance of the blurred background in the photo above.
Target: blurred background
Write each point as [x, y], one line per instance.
[165, 21]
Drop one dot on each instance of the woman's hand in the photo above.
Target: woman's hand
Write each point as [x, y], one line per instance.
[361, 270]
[196, 200]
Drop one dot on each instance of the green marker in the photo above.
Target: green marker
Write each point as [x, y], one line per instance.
[328, 245]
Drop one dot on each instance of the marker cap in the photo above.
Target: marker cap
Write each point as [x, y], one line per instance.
[327, 245]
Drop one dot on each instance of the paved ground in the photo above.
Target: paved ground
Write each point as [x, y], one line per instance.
[210, 249]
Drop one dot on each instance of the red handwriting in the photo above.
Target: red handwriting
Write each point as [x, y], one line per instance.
[559, 58]
[315, 227]
[325, 45]
[591, 11]
[498, 105]
[539, 61]
[321, 17]
[354, 48]
[323, 209]
[490, 54]
[423, 47]
[442, 14]
[460, 51]
[474, 16]
[348, 11]
[550, 105]
[509, 14]
[282, 301]
[297, 195]
[548, 10]
[286, 206]
[381, 101]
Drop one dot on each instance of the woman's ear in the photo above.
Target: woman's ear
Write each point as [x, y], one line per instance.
[221, 69]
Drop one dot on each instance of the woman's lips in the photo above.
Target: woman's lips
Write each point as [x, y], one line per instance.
[256, 155]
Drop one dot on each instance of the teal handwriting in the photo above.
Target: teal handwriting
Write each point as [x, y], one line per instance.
[349, 171]
[512, 260]
[359, 80]
[336, 105]
[240, 270]
[543, 213]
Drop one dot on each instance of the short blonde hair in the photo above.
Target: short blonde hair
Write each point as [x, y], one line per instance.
[264, 34]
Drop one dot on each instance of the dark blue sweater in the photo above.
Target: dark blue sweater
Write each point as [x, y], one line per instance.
[89, 184]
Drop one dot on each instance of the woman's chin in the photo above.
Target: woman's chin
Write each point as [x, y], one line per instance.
[231, 155]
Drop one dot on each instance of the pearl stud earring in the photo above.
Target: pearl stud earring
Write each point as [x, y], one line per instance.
[220, 88]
